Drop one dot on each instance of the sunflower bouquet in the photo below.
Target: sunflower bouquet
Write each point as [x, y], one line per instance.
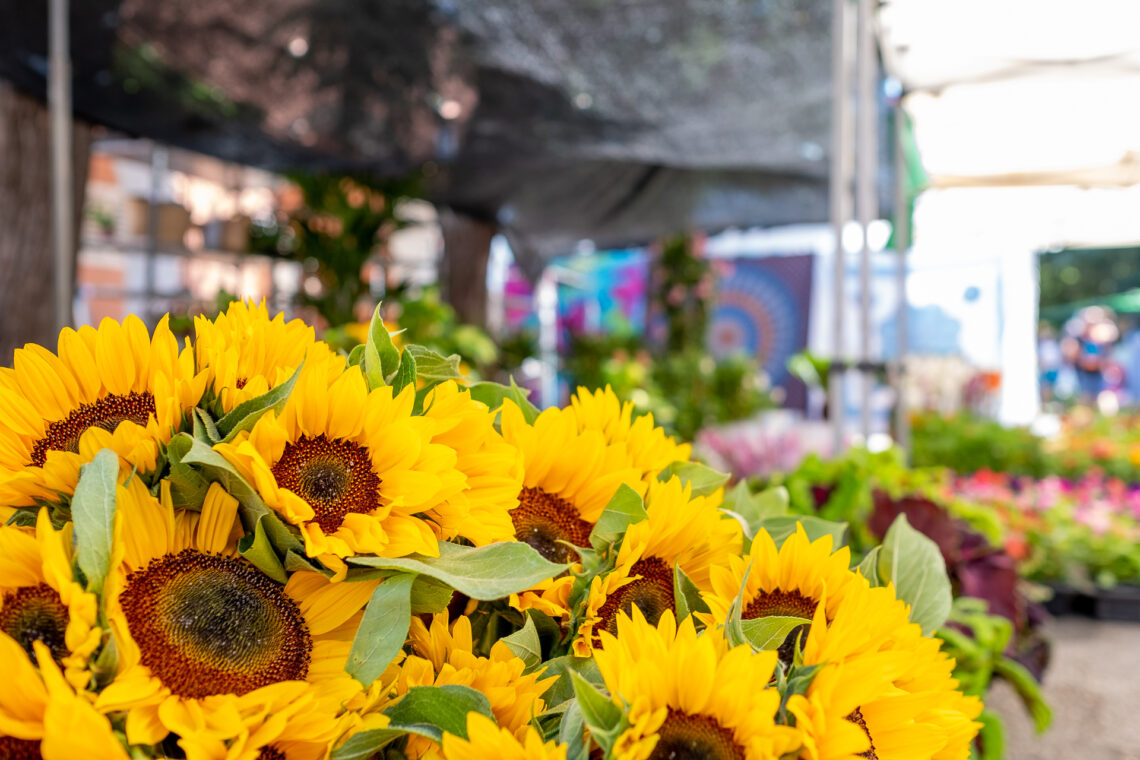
[252, 547]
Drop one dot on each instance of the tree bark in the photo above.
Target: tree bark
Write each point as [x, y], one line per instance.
[466, 250]
[27, 313]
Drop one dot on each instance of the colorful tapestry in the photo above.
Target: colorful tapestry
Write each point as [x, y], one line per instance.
[762, 308]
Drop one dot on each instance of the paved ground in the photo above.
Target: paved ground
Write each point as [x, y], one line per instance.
[1093, 685]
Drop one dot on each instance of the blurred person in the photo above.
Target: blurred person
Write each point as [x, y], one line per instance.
[1128, 355]
[1049, 359]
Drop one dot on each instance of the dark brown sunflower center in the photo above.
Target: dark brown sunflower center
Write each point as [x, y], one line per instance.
[207, 624]
[856, 717]
[695, 737]
[12, 748]
[271, 753]
[543, 520]
[106, 413]
[333, 475]
[652, 593]
[35, 613]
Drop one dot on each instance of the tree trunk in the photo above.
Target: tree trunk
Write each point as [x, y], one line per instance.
[27, 307]
[466, 250]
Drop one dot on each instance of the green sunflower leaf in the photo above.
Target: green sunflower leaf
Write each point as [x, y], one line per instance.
[432, 710]
[624, 509]
[752, 509]
[485, 573]
[381, 357]
[246, 414]
[572, 733]
[599, 712]
[869, 567]
[562, 690]
[686, 594]
[525, 645]
[770, 632]
[703, 479]
[779, 528]
[383, 629]
[256, 548]
[365, 745]
[93, 513]
[429, 596]
[406, 374]
[913, 563]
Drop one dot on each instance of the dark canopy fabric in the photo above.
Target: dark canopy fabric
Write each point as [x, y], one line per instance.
[617, 120]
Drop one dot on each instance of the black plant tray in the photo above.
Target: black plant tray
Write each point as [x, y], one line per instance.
[1069, 601]
[1119, 603]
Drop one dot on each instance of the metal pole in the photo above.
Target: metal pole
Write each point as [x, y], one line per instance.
[866, 201]
[63, 196]
[159, 164]
[840, 201]
[902, 245]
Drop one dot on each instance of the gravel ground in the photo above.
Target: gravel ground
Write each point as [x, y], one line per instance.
[1093, 686]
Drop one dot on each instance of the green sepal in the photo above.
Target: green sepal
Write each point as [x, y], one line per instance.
[246, 414]
[686, 596]
[205, 429]
[256, 548]
[381, 357]
[703, 479]
[525, 644]
[494, 394]
[356, 355]
[187, 486]
[406, 374]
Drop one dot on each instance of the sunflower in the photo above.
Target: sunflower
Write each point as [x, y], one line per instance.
[917, 714]
[680, 530]
[493, 468]
[650, 449]
[204, 638]
[41, 716]
[444, 656]
[353, 469]
[569, 478]
[685, 695]
[245, 353]
[117, 386]
[791, 581]
[40, 600]
[485, 739]
[292, 723]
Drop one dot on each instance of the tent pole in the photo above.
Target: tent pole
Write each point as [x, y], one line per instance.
[840, 192]
[902, 245]
[59, 102]
[865, 195]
